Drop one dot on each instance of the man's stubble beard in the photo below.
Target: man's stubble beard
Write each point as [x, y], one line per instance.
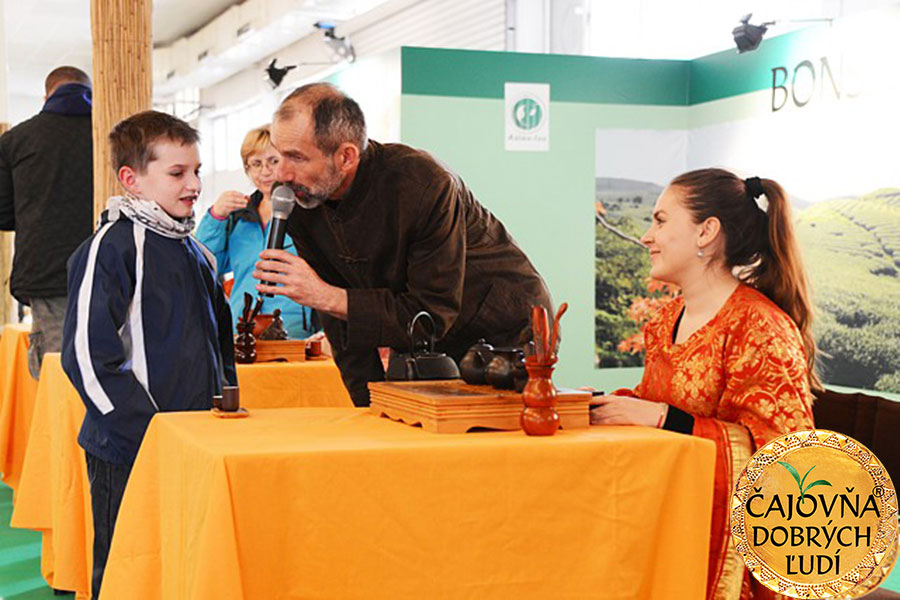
[310, 198]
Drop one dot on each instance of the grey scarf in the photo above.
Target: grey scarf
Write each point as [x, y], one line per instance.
[150, 214]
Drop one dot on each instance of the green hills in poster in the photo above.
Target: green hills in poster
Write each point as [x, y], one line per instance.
[852, 251]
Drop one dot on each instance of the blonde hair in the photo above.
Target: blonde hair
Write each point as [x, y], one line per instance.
[256, 140]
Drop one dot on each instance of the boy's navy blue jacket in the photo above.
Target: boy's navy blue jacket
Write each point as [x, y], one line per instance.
[147, 329]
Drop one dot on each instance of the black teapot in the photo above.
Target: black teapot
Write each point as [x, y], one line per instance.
[421, 364]
[507, 369]
[475, 361]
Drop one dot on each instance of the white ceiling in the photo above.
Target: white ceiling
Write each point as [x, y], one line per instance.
[41, 35]
[173, 19]
[44, 34]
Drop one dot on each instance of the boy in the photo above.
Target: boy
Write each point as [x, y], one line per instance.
[147, 326]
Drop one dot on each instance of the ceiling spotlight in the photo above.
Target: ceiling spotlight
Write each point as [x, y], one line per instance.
[275, 75]
[747, 36]
[341, 46]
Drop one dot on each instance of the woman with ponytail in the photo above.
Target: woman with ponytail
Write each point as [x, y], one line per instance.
[732, 358]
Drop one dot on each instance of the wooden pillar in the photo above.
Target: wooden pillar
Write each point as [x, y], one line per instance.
[7, 305]
[123, 78]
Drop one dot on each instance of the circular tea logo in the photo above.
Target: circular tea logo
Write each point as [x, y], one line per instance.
[527, 113]
[814, 515]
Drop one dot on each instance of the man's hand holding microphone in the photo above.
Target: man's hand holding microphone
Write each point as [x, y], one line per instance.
[298, 281]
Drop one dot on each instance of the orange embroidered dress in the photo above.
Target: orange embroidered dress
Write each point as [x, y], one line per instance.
[743, 378]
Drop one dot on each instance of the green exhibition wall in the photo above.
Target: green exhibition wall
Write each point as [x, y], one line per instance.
[452, 104]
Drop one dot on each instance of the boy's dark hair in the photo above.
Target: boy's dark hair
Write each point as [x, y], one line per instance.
[131, 140]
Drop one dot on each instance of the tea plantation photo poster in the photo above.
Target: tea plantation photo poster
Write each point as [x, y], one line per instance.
[848, 228]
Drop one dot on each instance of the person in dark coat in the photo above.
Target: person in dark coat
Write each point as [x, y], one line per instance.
[46, 197]
[384, 231]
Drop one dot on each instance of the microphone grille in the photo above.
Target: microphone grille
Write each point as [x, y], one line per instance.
[283, 200]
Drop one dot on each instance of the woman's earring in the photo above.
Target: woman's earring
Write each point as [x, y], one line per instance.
[699, 253]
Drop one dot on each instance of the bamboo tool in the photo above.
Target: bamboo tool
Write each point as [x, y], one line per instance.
[539, 330]
[248, 302]
[554, 336]
[256, 309]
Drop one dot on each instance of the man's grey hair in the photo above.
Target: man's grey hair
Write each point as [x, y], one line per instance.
[336, 116]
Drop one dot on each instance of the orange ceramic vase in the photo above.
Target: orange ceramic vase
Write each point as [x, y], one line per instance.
[539, 417]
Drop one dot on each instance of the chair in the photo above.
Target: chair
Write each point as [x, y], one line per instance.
[871, 420]
[882, 594]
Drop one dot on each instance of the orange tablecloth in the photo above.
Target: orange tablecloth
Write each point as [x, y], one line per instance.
[336, 503]
[287, 385]
[54, 494]
[17, 392]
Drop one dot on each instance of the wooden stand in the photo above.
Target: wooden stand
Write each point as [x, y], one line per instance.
[289, 350]
[453, 406]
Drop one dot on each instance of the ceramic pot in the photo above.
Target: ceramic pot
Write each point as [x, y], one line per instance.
[473, 364]
[501, 371]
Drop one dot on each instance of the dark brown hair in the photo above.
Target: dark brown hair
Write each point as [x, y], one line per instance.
[131, 140]
[62, 75]
[760, 244]
[336, 116]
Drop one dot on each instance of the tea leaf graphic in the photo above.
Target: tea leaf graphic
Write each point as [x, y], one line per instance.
[800, 481]
[804, 478]
[814, 484]
[792, 471]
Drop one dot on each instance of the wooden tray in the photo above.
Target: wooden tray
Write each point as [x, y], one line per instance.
[453, 406]
[290, 350]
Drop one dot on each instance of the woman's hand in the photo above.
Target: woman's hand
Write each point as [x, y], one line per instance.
[228, 203]
[622, 410]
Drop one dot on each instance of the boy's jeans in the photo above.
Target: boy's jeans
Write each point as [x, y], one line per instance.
[107, 486]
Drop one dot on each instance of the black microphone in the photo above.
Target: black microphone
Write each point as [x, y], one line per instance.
[283, 201]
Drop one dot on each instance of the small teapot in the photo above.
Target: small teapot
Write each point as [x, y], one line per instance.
[419, 364]
[501, 371]
[275, 329]
[475, 361]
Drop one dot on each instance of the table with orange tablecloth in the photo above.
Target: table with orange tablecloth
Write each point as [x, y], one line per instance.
[17, 392]
[337, 503]
[54, 494]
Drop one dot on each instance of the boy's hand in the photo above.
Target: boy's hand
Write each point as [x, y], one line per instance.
[228, 203]
[299, 282]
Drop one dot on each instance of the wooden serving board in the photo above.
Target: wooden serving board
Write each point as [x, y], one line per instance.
[290, 350]
[484, 410]
[453, 406]
[456, 392]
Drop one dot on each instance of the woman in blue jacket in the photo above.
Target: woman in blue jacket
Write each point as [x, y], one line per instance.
[236, 227]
